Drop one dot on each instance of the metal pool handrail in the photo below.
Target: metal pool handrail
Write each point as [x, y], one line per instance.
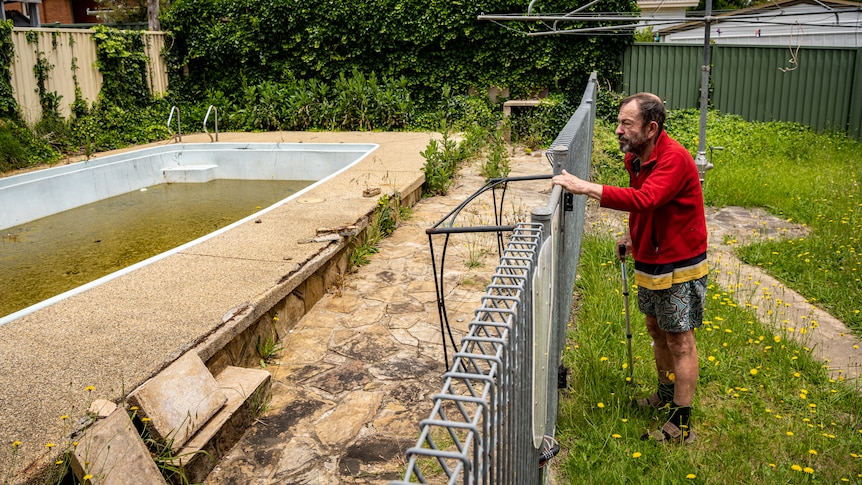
[211, 108]
[179, 128]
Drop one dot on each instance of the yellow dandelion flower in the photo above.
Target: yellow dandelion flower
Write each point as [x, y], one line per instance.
[90, 388]
[812, 452]
[625, 420]
[753, 372]
[16, 444]
[88, 476]
[49, 445]
[601, 405]
[58, 462]
[275, 318]
[625, 365]
[776, 338]
[64, 417]
[808, 470]
[790, 433]
[691, 476]
[603, 359]
[796, 468]
[616, 436]
[133, 408]
[146, 420]
[636, 454]
[772, 465]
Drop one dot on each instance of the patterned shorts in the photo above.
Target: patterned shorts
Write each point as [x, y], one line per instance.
[679, 308]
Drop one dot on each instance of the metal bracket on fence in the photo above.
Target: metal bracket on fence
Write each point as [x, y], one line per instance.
[568, 202]
[447, 226]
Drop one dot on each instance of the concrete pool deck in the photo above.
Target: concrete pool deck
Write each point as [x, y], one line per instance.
[116, 336]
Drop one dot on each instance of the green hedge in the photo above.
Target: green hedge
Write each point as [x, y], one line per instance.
[228, 45]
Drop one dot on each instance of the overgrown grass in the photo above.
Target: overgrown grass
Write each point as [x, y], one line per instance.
[765, 411]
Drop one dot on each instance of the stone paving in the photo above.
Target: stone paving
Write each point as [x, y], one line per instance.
[357, 373]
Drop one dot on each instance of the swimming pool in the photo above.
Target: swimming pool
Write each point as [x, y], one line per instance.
[34, 195]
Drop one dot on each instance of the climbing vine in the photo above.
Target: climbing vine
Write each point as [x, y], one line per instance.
[121, 60]
[48, 101]
[79, 106]
[8, 106]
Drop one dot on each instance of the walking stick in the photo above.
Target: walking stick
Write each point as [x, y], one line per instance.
[622, 252]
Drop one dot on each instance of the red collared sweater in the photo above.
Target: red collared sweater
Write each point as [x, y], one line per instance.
[667, 222]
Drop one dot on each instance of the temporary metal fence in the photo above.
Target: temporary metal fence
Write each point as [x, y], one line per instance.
[493, 421]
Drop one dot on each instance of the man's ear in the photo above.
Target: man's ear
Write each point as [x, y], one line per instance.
[652, 130]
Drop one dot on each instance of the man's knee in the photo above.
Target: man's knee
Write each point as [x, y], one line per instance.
[652, 327]
[682, 343]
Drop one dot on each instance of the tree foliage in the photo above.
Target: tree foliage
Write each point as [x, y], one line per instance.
[8, 106]
[227, 45]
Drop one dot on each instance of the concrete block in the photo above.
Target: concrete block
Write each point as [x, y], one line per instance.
[247, 390]
[179, 400]
[102, 408]
[113, 452]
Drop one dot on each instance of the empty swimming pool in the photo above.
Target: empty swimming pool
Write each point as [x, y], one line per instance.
[273, 173]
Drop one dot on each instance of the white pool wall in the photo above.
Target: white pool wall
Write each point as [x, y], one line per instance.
[33, 195]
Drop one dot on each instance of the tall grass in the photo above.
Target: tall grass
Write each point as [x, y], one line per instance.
[765, 411]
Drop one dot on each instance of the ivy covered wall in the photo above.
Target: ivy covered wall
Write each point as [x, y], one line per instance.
[225, 45]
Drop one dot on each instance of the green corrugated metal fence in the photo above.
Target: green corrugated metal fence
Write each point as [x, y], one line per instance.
[818, 86]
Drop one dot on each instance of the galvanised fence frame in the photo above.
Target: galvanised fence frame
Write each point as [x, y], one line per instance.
[493, 421]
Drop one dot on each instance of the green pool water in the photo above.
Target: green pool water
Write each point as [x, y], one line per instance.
[54, 254]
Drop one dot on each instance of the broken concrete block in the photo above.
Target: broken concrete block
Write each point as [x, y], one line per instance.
[179, 400]
[111, 452]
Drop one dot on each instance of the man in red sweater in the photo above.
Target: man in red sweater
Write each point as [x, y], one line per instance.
[667, 238]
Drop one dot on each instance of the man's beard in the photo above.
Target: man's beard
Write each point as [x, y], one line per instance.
[634, 144]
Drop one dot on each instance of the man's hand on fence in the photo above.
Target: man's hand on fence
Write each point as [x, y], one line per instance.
[577, 186]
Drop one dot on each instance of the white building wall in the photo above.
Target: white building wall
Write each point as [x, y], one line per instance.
[799, 25]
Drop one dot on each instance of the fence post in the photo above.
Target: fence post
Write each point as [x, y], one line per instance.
[854, 123]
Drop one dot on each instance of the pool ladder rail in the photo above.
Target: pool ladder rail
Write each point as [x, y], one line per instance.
[179, 134]
[215, 110]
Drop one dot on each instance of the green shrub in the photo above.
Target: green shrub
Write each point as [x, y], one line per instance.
[538, 126]
[20, 148]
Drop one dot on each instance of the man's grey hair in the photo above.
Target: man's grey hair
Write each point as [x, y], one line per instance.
[650, 107]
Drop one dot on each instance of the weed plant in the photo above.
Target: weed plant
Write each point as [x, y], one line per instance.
[765, 410]
[496, 164]
[384, 221]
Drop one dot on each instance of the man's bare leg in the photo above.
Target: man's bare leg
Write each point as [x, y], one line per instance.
[683, 348]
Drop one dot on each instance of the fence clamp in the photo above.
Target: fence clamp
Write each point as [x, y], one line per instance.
[568, 202]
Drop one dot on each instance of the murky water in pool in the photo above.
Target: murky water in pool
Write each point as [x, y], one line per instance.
[54, 254]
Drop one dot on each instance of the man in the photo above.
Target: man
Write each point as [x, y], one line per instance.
[667, 238]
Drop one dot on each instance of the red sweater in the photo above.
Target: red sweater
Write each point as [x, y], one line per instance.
[667, 222]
